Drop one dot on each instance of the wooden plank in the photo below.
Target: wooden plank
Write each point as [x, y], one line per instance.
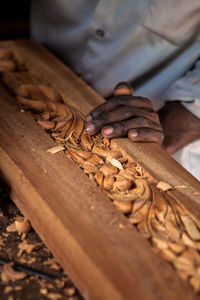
[83, 235]
[85, 241]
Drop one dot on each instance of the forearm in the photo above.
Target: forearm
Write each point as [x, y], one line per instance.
[180, 126]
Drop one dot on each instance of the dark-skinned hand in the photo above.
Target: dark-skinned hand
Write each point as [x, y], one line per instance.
[180, 126]
[126, 115]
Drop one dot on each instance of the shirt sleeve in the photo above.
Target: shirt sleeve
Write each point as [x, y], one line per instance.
[187, 90]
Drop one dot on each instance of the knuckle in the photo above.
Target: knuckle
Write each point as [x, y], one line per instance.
[123, 128]
[143, 122]
[104, 120]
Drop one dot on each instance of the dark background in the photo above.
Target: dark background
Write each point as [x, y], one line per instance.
[14, 19]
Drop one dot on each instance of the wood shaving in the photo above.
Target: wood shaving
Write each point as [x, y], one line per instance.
[27, 248]
[5, 234]
[70, 291]
[55, 149]
[164, 186]
[22, 225]
[18, 288]
[113, 161]
[8, 289]
[53, 296]
[11, 228]
[43, 291]
[11, 274]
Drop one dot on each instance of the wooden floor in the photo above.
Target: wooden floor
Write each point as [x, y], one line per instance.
[106, 257]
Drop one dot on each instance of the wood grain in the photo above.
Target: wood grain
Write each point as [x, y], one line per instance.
[77, 222]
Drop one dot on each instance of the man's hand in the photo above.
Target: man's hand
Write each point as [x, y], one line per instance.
[126, 115]
[180, 126]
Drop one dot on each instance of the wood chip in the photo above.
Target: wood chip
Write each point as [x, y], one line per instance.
[8, 289]
[18, 288]
[25, 247]
[5, 234]
[11, 228]
[113, 161]
[164, 186]
[70, 291]
[55, 149]
[43, 291]
[12, 274]
[53, 296]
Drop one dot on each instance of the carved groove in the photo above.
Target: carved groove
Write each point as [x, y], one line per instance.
[170, 229]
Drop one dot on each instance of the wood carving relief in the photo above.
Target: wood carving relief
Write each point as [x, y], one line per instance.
[170, 229]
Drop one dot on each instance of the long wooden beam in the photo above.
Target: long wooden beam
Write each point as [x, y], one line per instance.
[104, 255]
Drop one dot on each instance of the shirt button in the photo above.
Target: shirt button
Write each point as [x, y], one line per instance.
[100, 33]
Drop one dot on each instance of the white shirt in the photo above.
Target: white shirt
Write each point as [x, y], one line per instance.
[150, 43]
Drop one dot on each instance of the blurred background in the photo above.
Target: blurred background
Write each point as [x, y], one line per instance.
[14, 19]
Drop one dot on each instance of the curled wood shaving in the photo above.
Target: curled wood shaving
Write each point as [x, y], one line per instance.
[22, 225]
[11, 274]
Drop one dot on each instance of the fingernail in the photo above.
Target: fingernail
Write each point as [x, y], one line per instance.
[133, 133]
[90, 128]
[88, 118]
[107, 130]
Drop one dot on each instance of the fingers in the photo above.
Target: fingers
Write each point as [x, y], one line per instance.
[146, 135]
[122, 95]
[121, 129]
[124, 115]
[117, 101]
[121, 113]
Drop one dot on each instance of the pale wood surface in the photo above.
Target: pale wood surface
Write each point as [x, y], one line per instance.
[77, 222]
